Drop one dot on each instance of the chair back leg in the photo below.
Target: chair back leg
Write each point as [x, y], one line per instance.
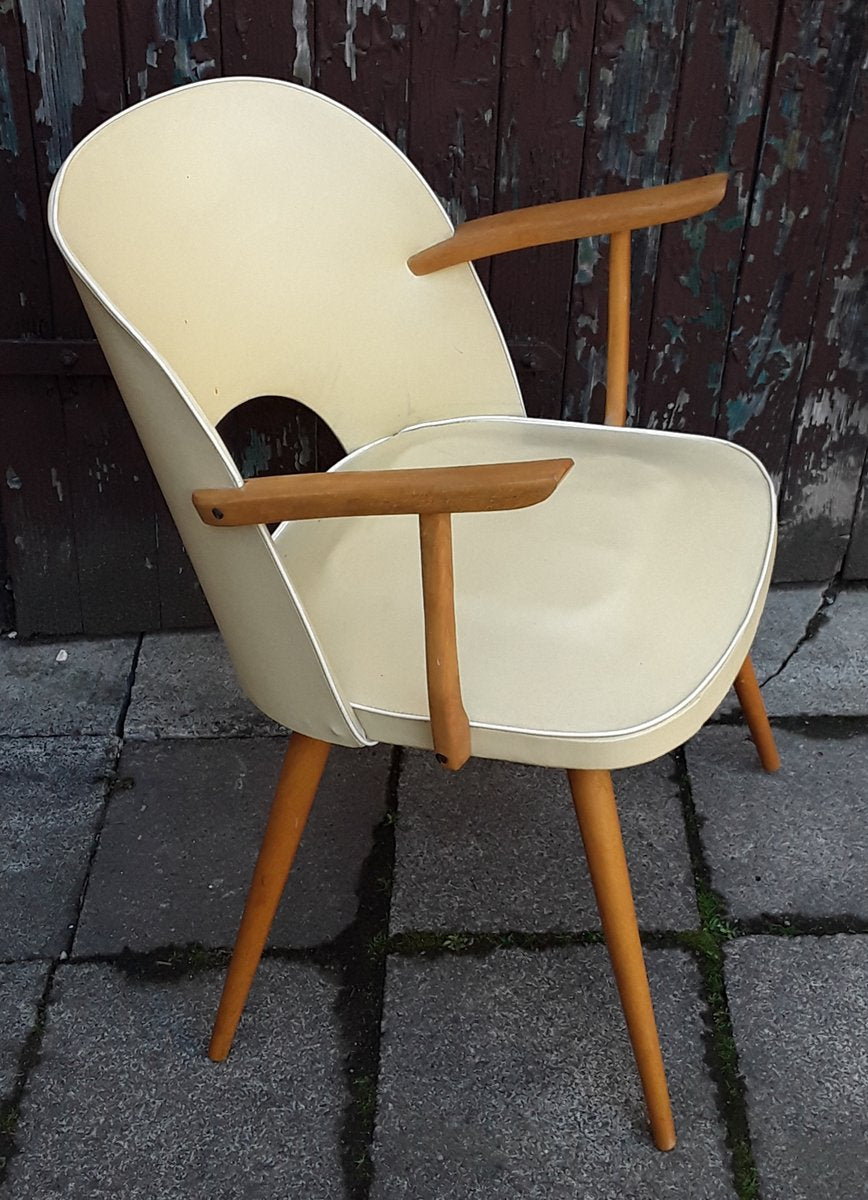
[299, 779]
[594, 800]
[753, 706]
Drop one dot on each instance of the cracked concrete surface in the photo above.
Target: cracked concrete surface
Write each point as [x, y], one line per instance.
[443, 1054]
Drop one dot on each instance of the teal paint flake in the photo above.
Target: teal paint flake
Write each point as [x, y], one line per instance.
[55, 51]
[182, 22]
[740, 411]
[694, 233]
[714, 316]
[8, 130]
[675, 332]
[587, 257]
[561, 48]
[256, 457]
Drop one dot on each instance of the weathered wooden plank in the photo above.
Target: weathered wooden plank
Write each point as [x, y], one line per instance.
[7, 601]
[717, 126]
[112, 497]
[74, 74]
[25, 305]
[856, 562]
[454, 85]
[182, 602]
[272, 40]
[634, 87]
[76, 82]
[541, 135]
[37, 507]
[822, 43]
[51, 356]
[168, 42]
[830, 436]
[363, 60]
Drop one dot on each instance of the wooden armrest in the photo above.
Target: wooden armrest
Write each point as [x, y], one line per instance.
[485, 488]
[434, 493]
[570, 219]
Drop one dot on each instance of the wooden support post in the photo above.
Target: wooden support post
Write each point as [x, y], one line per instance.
[450, 727]
[594, 801]
[618, 349]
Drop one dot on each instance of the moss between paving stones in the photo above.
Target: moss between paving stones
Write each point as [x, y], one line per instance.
[715, 930]
[360, 953]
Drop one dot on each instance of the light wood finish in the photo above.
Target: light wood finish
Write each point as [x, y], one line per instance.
[450, 728]
[753, 706]
[618, 349]
[594, 800]
[569, 219]
[299, 778]
[431, 492]
[487, 487]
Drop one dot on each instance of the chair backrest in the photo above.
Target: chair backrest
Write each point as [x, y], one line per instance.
[245, 237]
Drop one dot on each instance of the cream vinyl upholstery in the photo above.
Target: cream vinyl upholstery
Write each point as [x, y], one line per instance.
[645, 572]
[597, 629]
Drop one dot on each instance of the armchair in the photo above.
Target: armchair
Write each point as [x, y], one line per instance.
[598, 614]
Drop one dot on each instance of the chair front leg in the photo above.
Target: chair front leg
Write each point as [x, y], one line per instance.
[299, 778]
[594, 800]
[753, 706]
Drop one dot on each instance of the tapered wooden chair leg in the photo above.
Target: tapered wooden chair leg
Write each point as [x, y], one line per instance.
[753, 706]
[594, 800]
[299, 778]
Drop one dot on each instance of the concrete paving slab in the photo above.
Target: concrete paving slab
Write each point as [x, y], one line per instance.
[829, 673]
[185, 687]
[52, 791]
[71, 686]
[177, 852]
[791, 843]
[785, 617]
[21, 987]
[496, 846]
[511, 1075]
[800, 1011]
[124, 1101]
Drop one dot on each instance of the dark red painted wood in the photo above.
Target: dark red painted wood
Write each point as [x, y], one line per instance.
[830, 435]
[37, 507]
[363, 60]
[820, 48]
[490, 99]
[25, 304]
[856, 562]
[168, 44]
[182, 602]
[74, 75]
[454, 84]
[271, 40]
[541, 134]
[633, 99]
[51, 356]
[112, 496]
[717, 126]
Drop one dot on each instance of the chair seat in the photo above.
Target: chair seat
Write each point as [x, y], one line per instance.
[645, 572]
